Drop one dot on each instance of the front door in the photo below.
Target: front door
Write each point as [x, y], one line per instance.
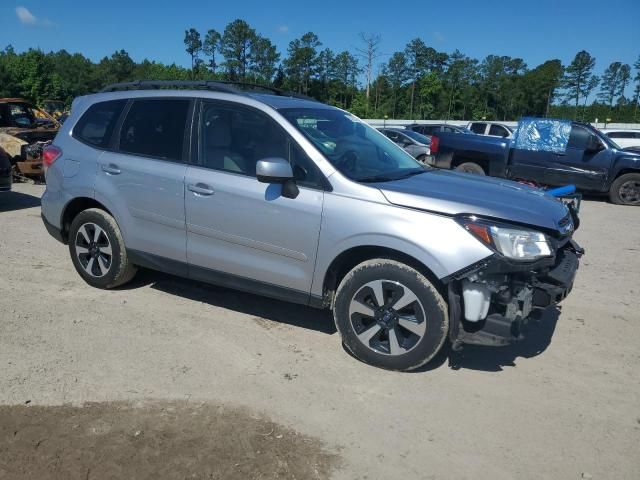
[241, 232]
[587, 170]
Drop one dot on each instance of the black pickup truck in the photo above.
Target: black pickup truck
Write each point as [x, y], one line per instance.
[587, 158]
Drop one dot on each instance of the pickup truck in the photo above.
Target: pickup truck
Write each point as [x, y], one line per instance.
[573, 153]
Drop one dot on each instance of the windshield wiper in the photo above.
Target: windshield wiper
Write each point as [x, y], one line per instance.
[411, 173]
[390, 178]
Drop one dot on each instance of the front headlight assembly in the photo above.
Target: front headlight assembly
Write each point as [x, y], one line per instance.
[514, 243]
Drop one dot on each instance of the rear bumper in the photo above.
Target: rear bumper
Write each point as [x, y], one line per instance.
[54, 231]
[514, 297]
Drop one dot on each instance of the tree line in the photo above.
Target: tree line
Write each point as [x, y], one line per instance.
[418, 82]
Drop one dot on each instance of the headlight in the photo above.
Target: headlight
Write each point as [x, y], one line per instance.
[514, 243]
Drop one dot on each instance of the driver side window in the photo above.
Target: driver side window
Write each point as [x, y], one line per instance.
[233, 138]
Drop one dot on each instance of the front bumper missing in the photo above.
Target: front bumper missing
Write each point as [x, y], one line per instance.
[521, 293]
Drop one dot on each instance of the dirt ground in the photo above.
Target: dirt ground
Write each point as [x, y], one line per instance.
[169, 378]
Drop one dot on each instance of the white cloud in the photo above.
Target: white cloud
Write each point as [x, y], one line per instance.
[25, 16]
[283, 29]
[28, 18]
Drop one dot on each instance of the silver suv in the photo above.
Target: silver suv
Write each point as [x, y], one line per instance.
[293, 199]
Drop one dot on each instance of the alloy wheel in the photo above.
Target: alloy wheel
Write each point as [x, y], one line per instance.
[93, 250]
[387, 317]
[629, 192]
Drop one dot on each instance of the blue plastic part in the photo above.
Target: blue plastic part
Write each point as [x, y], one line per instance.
[542, 135]
[560, 191]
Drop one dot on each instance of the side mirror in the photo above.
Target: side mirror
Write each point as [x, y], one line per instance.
[277, 170]
[594, 144]
[273, 170]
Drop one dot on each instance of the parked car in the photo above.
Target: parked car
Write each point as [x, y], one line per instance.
[55, 108]
[231, 187]
[590, 160]
[24, 132]
[416, 144]
[5, 171]
[624, 137]
[433, 128]
[492, 129]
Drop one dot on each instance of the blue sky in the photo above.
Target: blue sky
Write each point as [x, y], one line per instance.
[533, 30]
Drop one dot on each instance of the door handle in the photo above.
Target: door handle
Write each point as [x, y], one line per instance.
[111, 169]
[200, 189]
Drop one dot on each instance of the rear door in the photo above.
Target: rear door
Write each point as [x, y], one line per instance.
[241, 232]
[142, 178]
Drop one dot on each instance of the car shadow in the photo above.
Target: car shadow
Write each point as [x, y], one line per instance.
[262, 308]
[537, 335]
[10, 201]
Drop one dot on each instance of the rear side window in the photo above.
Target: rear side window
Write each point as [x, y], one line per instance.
[96, 126]
[155, 128]
[478, 128]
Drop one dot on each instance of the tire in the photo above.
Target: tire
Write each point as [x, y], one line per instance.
[366, 329]
[625, 190]
[471, 167]
[97, 233]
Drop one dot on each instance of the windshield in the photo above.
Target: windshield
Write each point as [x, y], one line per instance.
[357, 150]
[418, 137]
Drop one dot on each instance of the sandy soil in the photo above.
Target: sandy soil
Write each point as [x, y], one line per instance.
[228, 366]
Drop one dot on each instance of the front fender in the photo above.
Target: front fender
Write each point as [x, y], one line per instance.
[436, 241]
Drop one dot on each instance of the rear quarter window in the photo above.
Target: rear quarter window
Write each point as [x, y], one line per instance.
[96, 125]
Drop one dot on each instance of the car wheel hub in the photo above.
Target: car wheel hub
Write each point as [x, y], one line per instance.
[93, 250]
[387, 317]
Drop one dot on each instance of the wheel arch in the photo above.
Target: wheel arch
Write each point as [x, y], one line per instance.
[73, 208]
[349, 258]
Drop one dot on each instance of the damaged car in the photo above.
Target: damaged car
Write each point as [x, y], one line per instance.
[24, 133]
[286, 197]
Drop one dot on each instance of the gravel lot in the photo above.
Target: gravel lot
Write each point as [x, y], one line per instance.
[168, 378]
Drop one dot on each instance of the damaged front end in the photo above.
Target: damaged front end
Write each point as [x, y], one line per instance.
[490, 303]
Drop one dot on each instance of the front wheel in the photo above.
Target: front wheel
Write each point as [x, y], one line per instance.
[390, 315]
[625, 190]
[98, 251]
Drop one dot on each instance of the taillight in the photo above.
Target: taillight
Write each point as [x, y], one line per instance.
[50, 154]
[435, 143]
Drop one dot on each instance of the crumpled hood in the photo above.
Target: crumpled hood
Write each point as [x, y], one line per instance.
[454, 193]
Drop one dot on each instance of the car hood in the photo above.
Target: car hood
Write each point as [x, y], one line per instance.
[455, 193]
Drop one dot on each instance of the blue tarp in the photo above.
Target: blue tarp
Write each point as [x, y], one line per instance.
[542, 134]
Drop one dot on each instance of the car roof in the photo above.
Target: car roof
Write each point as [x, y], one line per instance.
[13, 100]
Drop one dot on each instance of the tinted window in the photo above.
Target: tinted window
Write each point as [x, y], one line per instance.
[155, 127]
[578, 138]
[478, 128]
[233, 138]
[96, 125]
[498, 131]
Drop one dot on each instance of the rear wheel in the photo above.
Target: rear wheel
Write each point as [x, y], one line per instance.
[471, 167]
[625, 190]
[98, 251]
[390, 315]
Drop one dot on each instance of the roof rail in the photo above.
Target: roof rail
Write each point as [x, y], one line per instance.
[214, 85]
